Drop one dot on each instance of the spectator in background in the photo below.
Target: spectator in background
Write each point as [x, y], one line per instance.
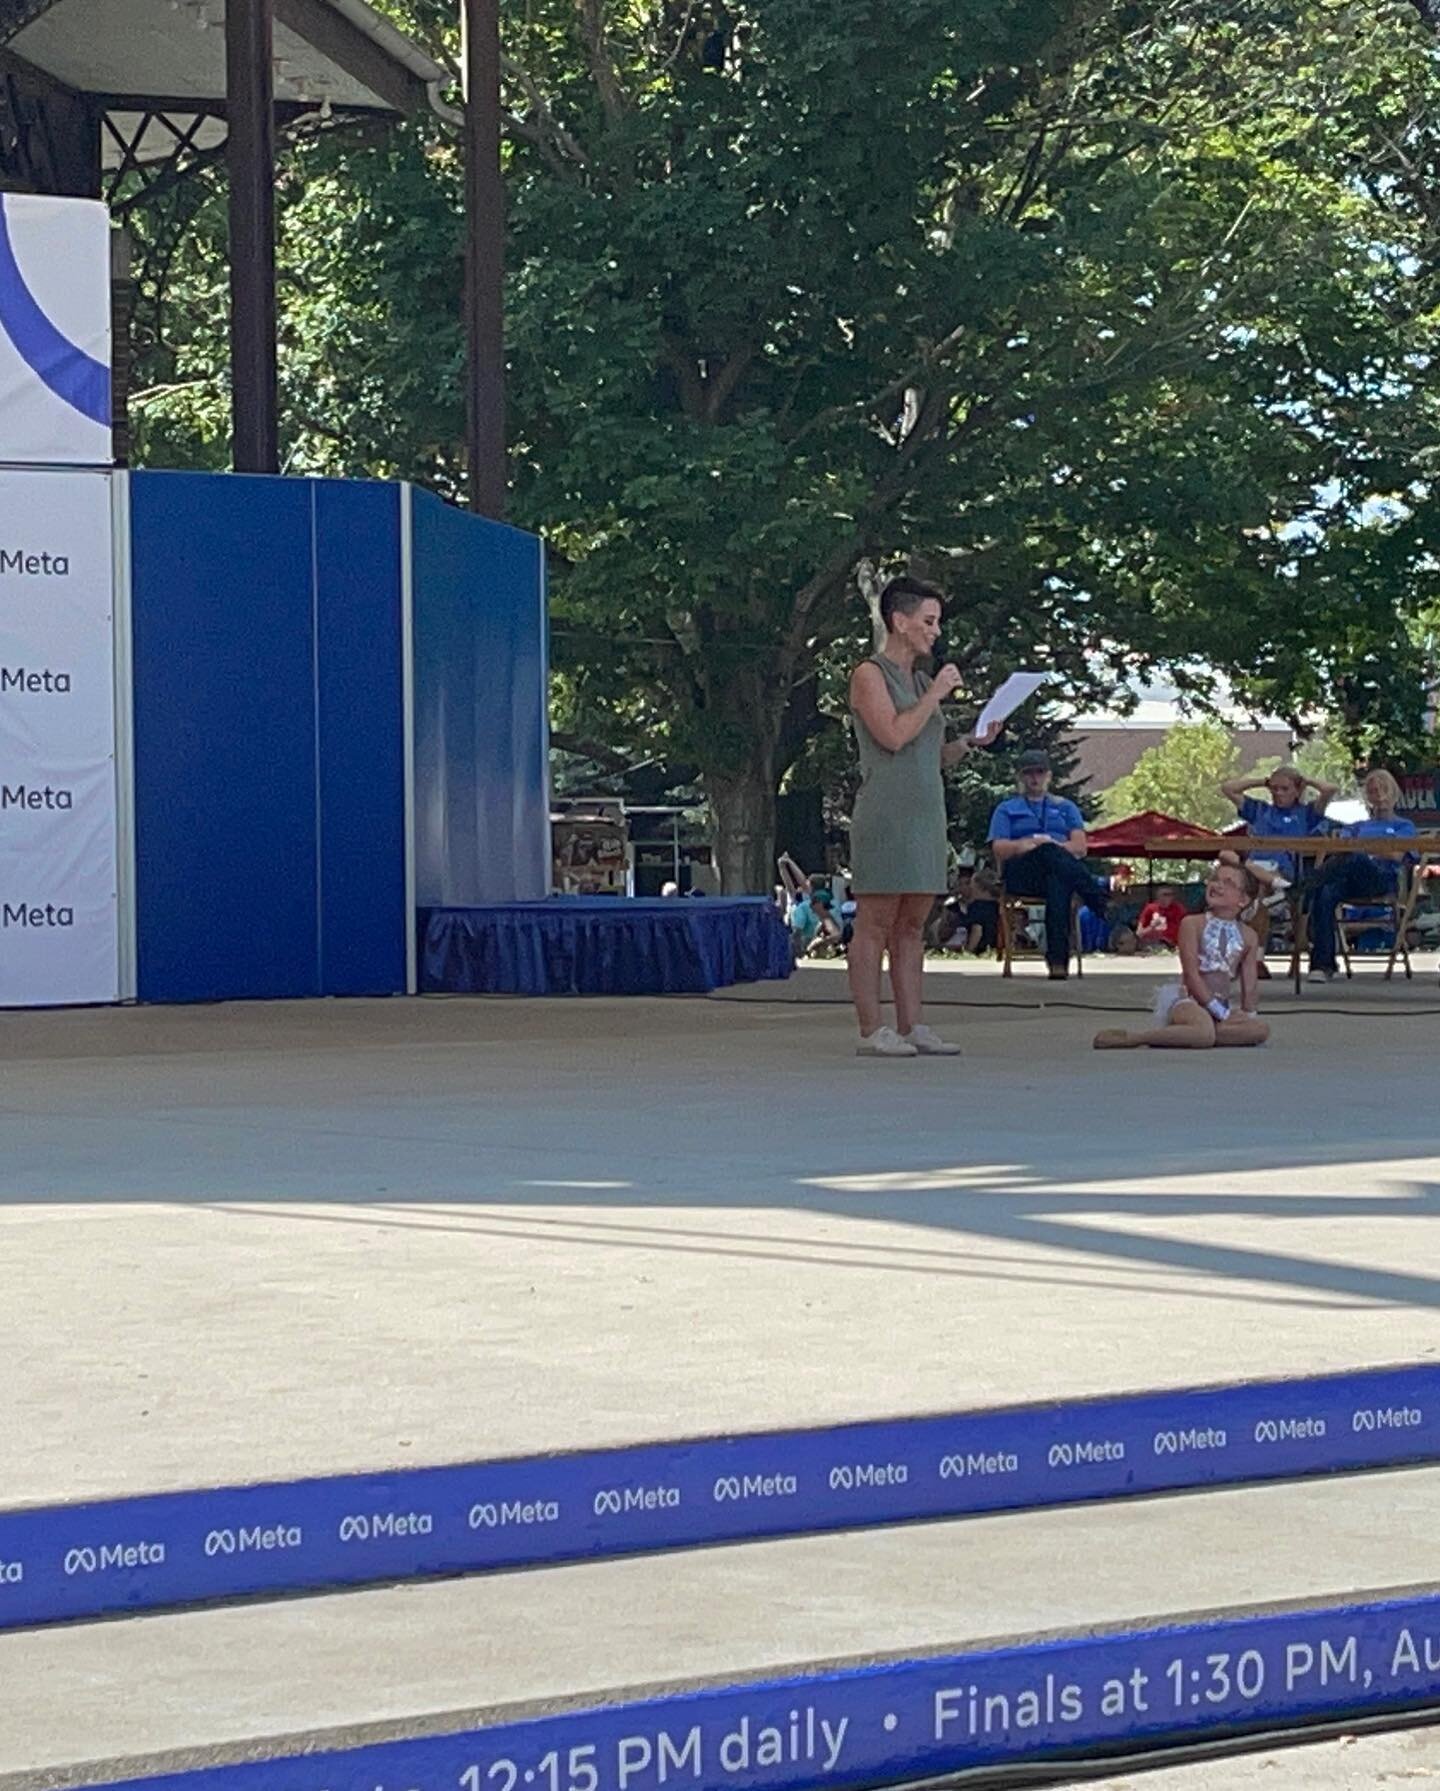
[1283, 815]
[1039, 842]
[799, 915]
[1159, 928]
[828, 939]
[1352, 877]
[949, 924]
[983, 913]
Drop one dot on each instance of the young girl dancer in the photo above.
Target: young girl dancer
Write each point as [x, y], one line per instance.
[1216, 952]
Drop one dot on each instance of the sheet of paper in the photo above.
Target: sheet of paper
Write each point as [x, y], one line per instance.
[1016, 689]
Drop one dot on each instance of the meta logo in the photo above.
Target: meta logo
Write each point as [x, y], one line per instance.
[1077, 1455]
[1289, 1430]
[27, 683]
[1182, 1442]
[255, 1540]
[612, 1500]
[514, 1511]
[22, 914]
[114, 1554]
[1393, 1417]
[26, 797]
[754, 1486]
[362, 1527]
[20, 564]
[958, 1467]
[847, 1476]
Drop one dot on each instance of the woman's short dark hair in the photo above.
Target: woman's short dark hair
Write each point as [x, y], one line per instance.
[904, 596]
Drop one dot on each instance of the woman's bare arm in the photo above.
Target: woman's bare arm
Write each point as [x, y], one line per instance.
[1195, 985]
[890, 727]
[1250, 972]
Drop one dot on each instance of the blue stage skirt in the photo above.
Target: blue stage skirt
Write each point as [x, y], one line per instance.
[603, 945]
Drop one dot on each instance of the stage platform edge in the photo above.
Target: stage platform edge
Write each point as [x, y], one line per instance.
[602, 945]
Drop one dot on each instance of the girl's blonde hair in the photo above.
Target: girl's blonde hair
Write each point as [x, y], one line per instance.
[1387, 783]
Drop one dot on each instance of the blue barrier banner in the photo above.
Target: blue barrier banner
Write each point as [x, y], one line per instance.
[904, 1719]
[82, 1560]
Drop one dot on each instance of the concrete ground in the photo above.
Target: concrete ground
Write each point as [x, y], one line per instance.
[259, 1680]
[239, 1242]
[1363, 1762]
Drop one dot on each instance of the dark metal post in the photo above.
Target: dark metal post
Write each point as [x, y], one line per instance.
[484, 258]
[250, 151]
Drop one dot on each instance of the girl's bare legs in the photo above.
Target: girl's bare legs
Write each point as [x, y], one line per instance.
[1238, 1031]
[874, 920]
[907, 959]
[1188, 1027]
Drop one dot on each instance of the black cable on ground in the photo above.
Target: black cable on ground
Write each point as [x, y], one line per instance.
[1059, 1771]
[1093, 1007]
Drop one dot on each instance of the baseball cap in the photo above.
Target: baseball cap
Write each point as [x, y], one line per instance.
[1033, 761]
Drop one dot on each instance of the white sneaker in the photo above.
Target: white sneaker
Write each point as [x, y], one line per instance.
[929, 1043]
[885, 1042]
[1322, 976]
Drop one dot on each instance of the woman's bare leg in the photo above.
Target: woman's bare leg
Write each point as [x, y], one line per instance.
[1187, 1028]
[907, 959]
[874, 918]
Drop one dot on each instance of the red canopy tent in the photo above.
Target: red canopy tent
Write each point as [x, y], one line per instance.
[1141, 836]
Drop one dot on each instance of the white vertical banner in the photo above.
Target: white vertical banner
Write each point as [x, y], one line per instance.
[54, 331]
[59, 919]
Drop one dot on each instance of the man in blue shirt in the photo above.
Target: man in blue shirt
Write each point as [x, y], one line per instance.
[1039, 841]
[1354, 877]
[1284, 814]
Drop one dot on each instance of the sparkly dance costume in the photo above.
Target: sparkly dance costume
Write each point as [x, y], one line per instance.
[1222, 946]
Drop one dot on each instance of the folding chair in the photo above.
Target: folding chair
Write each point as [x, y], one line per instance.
[1399, 907]
[1014, 912]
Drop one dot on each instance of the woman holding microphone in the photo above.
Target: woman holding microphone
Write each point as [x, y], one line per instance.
[898, 858]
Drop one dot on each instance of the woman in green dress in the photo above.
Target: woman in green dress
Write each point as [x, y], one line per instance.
[898, 857]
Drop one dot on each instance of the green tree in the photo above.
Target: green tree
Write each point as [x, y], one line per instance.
[1180, 777]
[1116, 317]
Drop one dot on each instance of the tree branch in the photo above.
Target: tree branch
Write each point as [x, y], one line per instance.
[594, 750]
[602, 67]
[675, 353]
[545, 119]
[721, 388]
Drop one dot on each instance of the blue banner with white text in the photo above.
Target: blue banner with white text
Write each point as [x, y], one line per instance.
[142, 1553]
[900, 1720]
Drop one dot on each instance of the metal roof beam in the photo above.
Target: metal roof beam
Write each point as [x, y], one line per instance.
[329, 32]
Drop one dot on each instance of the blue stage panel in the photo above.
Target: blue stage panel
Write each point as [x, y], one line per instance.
[225, 769]
[360, 730]
[481, 774]
[603, 945]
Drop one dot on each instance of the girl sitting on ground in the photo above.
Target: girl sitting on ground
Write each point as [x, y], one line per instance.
[1214, 1003]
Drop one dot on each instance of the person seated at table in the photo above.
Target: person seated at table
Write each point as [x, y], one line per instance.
[1039, 842]
[1283, 816]
[1159, 928]
[1355, 876]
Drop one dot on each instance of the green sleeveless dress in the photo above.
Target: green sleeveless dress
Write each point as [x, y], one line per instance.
[898, 830]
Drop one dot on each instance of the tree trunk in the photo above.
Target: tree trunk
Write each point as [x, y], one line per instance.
[743, 809]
